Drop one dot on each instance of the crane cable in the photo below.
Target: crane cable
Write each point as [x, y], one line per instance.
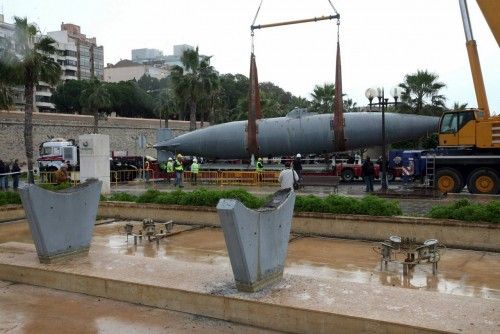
[253, 23]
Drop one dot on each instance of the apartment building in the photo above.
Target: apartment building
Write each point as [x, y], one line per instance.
[79, 57]
[90, 56]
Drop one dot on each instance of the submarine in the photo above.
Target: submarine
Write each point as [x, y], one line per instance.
[299, 131]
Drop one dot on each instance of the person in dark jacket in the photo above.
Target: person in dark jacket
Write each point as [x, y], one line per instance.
[297, 165]
[368, 173]
[6, 178]
[15, 177]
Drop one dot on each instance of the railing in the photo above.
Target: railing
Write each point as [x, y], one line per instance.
[50, 177]
[243, 178]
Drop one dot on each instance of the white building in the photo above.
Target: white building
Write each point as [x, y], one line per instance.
[78, 56]
[146, 55]
[66, 57]
[125, 70]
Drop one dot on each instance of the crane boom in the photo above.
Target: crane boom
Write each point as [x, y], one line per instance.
[491, 13]
[475, 65]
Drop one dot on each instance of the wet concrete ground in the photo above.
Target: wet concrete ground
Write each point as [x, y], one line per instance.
[461, 272]
[31, 309]
[314, 266]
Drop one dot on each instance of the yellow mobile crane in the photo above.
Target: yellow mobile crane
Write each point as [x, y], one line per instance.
[474, 128]
[469, 141]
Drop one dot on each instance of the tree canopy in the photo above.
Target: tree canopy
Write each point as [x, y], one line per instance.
[421, 93]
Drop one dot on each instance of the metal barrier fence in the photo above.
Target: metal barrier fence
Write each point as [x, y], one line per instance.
[50, 177]
[243, 178]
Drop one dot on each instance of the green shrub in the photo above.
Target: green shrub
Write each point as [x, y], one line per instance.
[122, 197]
[369, 205]
[467, 211]
[56, 187]
[9, 197]
[149, 196]
[376, 206]
[310, 204]
[342, 204]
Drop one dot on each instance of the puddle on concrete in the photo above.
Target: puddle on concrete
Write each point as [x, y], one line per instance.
[461, 272]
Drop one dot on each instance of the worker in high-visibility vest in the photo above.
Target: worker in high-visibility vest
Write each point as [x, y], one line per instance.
[170, 169]
[179, 169]
[195, 168]
[259, 168]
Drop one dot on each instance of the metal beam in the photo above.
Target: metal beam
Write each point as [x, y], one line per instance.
[285, 23]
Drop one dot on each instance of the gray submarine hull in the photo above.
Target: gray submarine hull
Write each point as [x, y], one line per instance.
[299, 132]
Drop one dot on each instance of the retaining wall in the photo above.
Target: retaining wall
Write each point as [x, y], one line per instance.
[456, 234]
[121, 130]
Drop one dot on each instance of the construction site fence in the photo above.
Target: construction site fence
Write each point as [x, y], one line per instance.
[50, 178]
[243, 178]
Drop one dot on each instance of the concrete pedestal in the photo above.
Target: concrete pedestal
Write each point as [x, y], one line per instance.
[257, 240]
[94, 159]
[61, 222]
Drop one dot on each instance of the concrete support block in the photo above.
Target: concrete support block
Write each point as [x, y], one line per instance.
[94, 159]
[61, 222]
[257, 240]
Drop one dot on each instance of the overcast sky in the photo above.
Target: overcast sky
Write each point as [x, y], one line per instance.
[381, 41]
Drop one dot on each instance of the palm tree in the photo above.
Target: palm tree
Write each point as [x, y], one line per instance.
[194, 82]
[349, 105]
[95, 98]
[211, 88]
[36, 65]
[9, 73]
[419, 86]
[323, 98]
[459, 106]
[165, 105]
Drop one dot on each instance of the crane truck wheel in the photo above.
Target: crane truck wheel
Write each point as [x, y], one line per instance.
[449, 180]
[484, 181]
[347, 175]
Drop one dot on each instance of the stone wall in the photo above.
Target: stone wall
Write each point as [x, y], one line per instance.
[122, 131]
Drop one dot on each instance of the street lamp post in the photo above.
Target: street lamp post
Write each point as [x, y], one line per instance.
[383, 102]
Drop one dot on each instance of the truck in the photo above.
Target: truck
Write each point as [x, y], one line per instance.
[58, 151]
[468, 153]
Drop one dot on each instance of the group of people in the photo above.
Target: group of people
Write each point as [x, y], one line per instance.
[175, 168]
[9, 170]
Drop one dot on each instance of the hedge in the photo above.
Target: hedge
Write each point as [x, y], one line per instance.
[9, 197]
[369, 205]
[465, 210]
